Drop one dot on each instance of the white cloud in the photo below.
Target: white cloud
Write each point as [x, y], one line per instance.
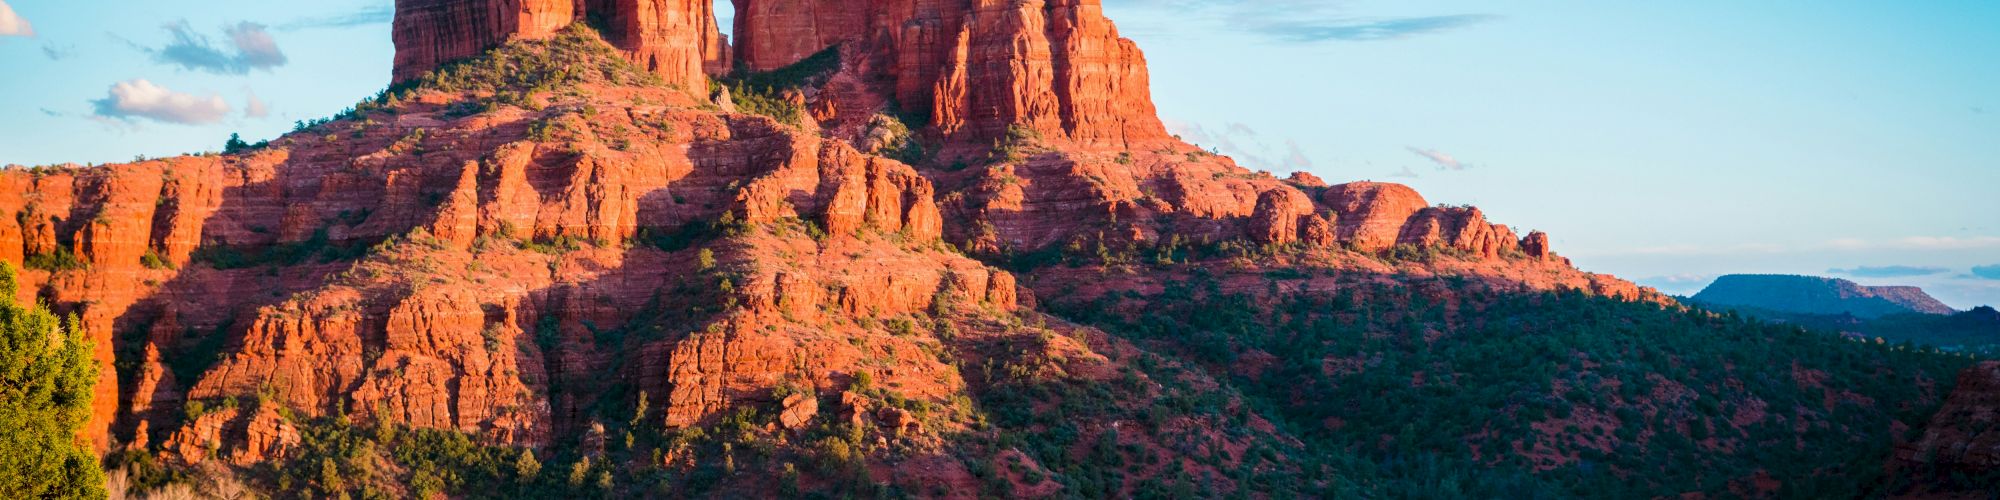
[139, 98]
[12, 24]
[1444, 161]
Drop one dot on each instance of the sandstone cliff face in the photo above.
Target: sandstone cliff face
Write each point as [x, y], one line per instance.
[430, 33]
[676, 39]
[1057, 68]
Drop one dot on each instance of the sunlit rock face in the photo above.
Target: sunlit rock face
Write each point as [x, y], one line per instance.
[676, 39]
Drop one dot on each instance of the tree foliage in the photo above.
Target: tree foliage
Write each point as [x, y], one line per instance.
[1443, 389]
[46, 378]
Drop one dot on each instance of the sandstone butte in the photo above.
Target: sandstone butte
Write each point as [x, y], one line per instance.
[497, 270]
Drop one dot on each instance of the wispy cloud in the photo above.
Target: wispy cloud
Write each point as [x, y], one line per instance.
[250, 46]
[1444, 161]
[1244, 144]
[1889, 271]
[1308, 21]
[1363, 30]
[58, 53]
[11, 24]
[1406, 173]
[141, 99]
[1987, 272]
[382, 13]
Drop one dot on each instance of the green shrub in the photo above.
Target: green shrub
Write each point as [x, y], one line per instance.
[1015, 144]
[317, 249]
[763, 93]
[153, 261]
[61, 259]
[553, 246]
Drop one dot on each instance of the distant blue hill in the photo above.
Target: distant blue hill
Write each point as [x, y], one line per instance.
[1816, 295]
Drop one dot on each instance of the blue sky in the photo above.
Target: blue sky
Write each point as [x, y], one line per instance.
[1663, 142]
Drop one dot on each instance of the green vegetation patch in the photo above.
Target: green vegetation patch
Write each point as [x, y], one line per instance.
[1442, 397]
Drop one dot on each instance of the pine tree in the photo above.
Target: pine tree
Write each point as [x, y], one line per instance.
[46, 382]
[526, 467]
[235, 144]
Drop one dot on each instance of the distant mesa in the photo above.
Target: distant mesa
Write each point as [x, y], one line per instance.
[1817, 295]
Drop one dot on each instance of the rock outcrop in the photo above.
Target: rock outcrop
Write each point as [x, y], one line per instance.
[1536, 245]
[1054, 68]
[676, 39]
[1372, 215]
[1462, 228]
[1283, 216]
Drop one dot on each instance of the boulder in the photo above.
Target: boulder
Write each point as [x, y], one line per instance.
[1371, 215]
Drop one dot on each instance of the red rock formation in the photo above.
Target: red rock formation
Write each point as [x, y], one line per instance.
[899, 421]
[1280, 217]
[1460, 228]
[877, 192]
[799, 409]
[770, 34]
[1319, 232]
[676, 39]
[1057, 68]
[1371, 215]
[238, 436]
[429, 33]
[1306, 180]
[1964, 435]
[1536, 245]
